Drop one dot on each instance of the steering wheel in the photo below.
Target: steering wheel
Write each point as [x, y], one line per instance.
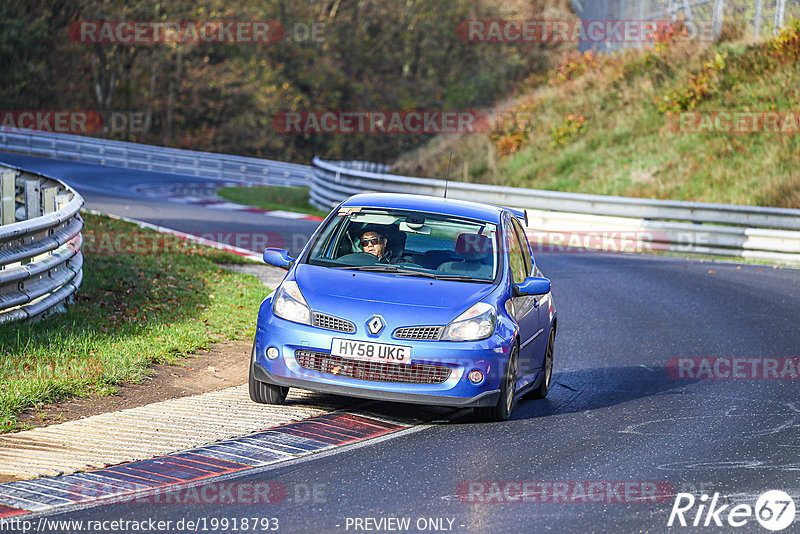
[359, 258]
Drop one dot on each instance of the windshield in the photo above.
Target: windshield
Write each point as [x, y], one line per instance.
[408, 243]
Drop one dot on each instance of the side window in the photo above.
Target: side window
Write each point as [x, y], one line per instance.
[526, 252]
[517, 262]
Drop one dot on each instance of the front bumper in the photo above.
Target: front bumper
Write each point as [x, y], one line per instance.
[487, 398]
[488, 356]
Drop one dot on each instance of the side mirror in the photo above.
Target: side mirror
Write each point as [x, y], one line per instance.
[278, 257]
[533, 285]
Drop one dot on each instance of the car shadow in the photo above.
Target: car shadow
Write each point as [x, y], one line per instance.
[571, 391]
[410, 414]
[582, 390]
[311, 399]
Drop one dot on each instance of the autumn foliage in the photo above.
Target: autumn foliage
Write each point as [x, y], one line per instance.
[363, 55]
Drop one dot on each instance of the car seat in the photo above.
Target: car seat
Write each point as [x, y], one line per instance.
[476, 253]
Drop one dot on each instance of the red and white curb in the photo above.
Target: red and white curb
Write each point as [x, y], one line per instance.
[152, 477]
[205, 194]
[243, 252]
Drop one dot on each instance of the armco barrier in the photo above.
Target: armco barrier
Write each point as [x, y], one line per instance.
[40, 241]
[749, 232]
[153, 158]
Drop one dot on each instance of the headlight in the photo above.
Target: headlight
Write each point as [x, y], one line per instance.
[289, 304]
[474, 324]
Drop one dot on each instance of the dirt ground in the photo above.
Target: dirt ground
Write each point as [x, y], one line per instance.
[224, 365]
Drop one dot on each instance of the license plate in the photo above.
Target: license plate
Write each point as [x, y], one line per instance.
[371, 352]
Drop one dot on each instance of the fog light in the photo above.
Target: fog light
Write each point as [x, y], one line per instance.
[272, 353]
[475, 376]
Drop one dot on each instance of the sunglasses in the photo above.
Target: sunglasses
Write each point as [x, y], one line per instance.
[371, 241]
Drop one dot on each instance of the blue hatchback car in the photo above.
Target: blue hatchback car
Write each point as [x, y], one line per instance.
[412, 299]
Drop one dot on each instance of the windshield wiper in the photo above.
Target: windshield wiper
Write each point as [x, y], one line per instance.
[411, 272]
[388, 269]
[460, 277]
[376, 268]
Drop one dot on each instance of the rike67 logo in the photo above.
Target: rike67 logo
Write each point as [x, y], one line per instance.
[775, 510]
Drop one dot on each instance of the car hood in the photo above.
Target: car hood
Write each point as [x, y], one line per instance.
[401, 300]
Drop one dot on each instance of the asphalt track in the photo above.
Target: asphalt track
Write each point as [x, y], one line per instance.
[159, 198]
[614, 414]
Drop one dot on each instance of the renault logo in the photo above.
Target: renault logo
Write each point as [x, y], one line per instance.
[375, 325]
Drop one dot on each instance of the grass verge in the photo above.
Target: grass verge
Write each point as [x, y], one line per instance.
[272, 198]
[146, 298]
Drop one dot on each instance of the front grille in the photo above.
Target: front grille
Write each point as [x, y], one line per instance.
[423, 333]
[328, 322]
[416, 373]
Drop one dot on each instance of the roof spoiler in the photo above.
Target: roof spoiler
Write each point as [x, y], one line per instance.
[520, 214]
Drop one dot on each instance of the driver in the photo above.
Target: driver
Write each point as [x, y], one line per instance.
[374, 243]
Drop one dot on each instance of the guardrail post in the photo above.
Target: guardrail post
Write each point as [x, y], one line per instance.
[62, 199]
[49, 199]
[33, 199]
[7, 203]
[48, 206]
[32, 196]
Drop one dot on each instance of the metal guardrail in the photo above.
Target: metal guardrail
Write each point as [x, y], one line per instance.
[40, 241]
[750, 232]
[154, 158]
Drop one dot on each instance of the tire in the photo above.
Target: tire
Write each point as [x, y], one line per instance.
[544, 387]
[508, 388]
[261, 392]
